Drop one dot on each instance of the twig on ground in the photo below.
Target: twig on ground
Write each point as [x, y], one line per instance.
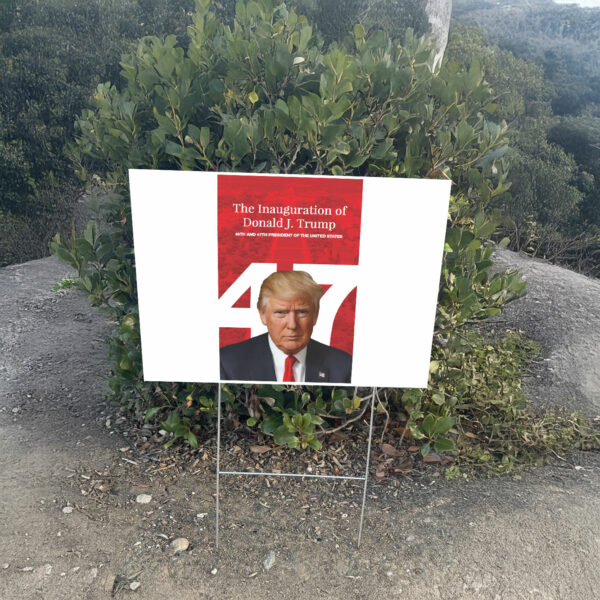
[387, 416]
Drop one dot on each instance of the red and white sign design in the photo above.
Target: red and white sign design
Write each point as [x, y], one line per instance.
[268, 224]
[204, 243]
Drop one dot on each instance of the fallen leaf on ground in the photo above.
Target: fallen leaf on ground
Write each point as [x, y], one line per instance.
[413, 449]
[390, 450]
[403, 431]
[259, 449]
[431, 458]
[404, 466]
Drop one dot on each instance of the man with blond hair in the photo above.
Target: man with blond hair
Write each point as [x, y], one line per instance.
[288, 305]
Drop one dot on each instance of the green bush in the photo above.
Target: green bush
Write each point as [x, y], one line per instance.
[553, 207]
[52, 56]
[263, 97]
[496, 428]
[335, 19]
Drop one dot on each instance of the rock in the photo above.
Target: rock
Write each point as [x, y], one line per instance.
[134, 585]
[180, 545]
[5, 566]
[68, 510]
[109, 583]
[27, 569]
[143, 498]
[47, 569]
[214, 571]
[93, 573]
[410, 538]
[269, 560]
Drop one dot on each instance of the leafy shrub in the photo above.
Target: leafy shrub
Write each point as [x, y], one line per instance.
[52, 56]
[263, 97]
[496, 428]
[335, 19]
[553, 207]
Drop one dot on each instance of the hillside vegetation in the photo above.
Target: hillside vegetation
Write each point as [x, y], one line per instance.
[311, 87]
[543, 60]
[53, 54]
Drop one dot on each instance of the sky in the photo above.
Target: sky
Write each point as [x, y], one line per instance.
[586, 3]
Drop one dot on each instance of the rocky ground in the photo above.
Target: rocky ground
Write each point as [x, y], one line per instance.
[90, 507]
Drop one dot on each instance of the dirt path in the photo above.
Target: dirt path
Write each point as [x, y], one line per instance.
[532, 537]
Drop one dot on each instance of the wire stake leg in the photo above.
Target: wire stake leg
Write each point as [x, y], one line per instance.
[362, 511]
[218, 465]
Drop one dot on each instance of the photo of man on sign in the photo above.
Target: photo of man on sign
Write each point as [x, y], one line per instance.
[288, 305]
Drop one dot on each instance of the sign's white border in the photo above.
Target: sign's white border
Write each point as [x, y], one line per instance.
[175, 238]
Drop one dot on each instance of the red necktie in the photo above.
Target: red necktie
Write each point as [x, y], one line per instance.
[288, 374]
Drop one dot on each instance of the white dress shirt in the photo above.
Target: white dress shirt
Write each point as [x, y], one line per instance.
[279, 357]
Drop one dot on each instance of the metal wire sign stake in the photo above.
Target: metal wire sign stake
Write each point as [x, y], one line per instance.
[365, 478]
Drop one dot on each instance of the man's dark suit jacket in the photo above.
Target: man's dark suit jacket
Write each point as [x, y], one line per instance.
[252, 360]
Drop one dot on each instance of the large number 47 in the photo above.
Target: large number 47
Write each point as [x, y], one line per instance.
[340, 278]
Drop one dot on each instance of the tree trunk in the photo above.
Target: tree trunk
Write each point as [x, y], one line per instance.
[438, 12]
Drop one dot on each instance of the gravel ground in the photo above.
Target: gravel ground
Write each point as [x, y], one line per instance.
[74, 523]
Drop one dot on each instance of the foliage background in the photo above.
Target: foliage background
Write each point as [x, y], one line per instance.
[542, 58]
[268, 96]
[52, 56]
[315, 95]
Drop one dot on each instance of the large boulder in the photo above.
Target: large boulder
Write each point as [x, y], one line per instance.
[561, 311]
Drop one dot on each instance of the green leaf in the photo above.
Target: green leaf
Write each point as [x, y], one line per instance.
[173, 148]
[428, 424]
[443, 445]
[438, 399]
[283, 436]
[475, 75]
[88, 234]
[65, 256]
[315, 444]
[443, 424]
[125, 364]
[305, 35]
[192, 439]
[359, 32]
[251, 422]
[204, 137]
[152, 412]
[271, 423]
[84, 249]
